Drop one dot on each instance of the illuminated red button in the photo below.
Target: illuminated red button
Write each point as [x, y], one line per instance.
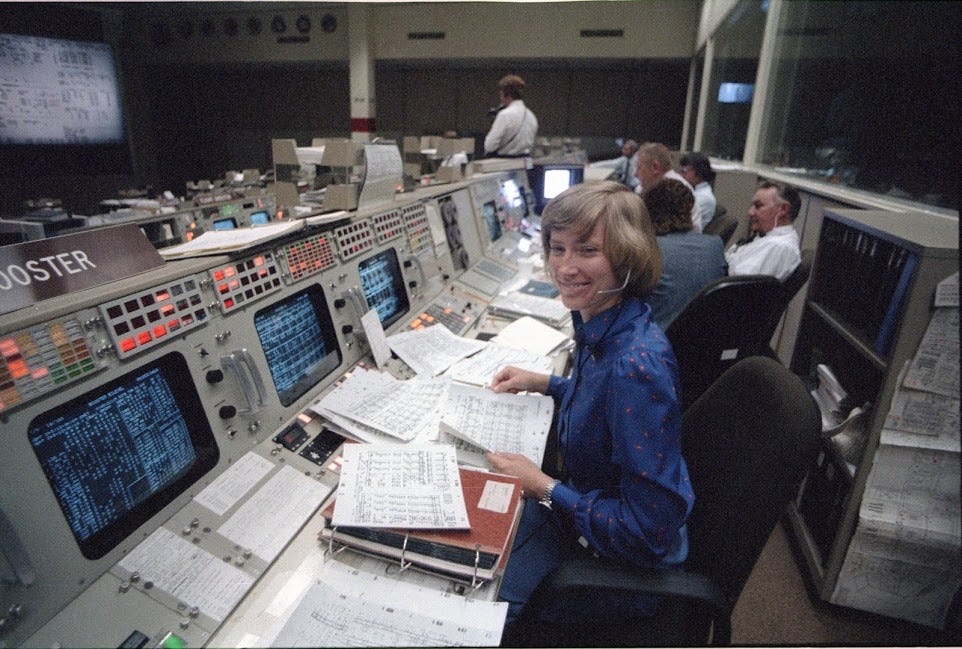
[127, 344]
[258, 261]
[231, 271]
[143, 337]
[160, 331]
[218, 275]
[222, 288]
[228, 303]
[173, 325]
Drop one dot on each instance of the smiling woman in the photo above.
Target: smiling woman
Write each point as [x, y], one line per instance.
[624, 492]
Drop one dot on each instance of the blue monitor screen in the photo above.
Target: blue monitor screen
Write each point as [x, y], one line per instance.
[117, 455]
[260, 218]
[383, 286]
[225, 224]
[299, 343]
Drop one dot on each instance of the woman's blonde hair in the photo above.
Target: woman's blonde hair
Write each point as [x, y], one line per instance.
[629, 243]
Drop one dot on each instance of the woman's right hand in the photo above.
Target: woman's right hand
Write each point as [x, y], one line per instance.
[514, 379]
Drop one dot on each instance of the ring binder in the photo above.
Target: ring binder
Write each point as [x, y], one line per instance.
[404, 548]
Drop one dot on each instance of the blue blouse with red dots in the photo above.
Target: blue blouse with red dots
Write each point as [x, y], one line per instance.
[625, 482]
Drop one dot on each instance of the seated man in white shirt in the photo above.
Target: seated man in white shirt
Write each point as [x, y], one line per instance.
[653, 164]
[696, 169]
[772, 246]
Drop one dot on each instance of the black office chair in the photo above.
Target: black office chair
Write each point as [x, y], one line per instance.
[722, 223]
[794, 282]
[730, 319]
[748, 442]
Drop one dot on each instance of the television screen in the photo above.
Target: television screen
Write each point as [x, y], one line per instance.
[547, 181]
[735, 93]
[117, 455]
[383, 286]
[225, 224]
[260, 218]
[61, 108]
[58, 92]
[299, 343]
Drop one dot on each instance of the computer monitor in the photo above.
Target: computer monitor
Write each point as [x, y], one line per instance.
[549, 180]
[383, 286]
[117, 455]
[490, 212]
[299, 343]
[260, 218]
[225, 224]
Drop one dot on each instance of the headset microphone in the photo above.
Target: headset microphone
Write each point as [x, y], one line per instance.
[619, 289]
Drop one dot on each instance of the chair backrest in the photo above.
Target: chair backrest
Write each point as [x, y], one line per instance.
[730, 319]
[794, 282]
[722, 223]
[748, 442]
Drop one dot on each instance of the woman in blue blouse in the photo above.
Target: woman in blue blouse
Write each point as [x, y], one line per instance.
[623, 491]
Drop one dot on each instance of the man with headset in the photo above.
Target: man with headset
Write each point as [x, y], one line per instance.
[515, 126]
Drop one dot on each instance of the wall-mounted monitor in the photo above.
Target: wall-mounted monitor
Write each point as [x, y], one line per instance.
[61, 109]
[383, 286]
[735, 93]
[116, 456]
[299, 343]
[549, 180]
[225, 224]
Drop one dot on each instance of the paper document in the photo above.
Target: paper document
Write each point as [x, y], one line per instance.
[935, 367]
[402, 409]
[515, 304]
[432, 350]
[480, 369]
[400, 486]
[513, 423]
[347, 607]
[218, 242]
[531, 335]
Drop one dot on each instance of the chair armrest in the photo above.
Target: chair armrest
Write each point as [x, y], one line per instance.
[593, 574]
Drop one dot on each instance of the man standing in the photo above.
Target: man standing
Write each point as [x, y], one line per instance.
[625, 167]
[772, 246]
[515, 126]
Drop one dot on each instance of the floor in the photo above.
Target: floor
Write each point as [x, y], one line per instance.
[775, 609]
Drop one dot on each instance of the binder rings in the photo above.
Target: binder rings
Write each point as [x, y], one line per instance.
[475, 556]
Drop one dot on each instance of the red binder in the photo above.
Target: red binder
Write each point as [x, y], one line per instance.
[479, 554]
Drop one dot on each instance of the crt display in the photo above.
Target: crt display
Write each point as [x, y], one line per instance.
[383, 286]
[119, 454]
[548, 181]
[490, 212]
[260, 218]
[225, 224]
[60, 92]
[299, 342]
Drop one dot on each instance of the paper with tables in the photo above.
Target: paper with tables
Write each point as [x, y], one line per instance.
[512, 423]
[480, 369]
[432, 350]
[414, 486]
[349, 607]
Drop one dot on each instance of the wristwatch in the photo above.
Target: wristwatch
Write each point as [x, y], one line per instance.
[546, 498]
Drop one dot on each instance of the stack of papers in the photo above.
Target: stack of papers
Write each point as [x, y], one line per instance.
[432, 350]
[219, 242]
[516, 304]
